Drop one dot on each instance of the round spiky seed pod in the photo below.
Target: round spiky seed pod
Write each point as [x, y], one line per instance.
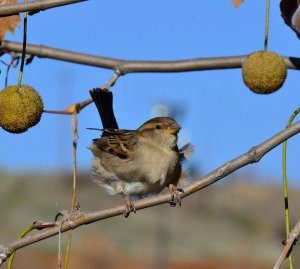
[264, 72]
[21, 107]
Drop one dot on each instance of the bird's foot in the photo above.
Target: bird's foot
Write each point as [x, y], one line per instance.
[175, 195]
[129, 206]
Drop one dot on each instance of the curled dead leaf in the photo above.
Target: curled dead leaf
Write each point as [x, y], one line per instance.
[9, 23]
[236, 3]
[73, 108]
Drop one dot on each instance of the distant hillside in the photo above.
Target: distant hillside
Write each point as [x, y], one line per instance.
[237, 223]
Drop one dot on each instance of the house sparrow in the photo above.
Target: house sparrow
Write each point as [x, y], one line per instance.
[138, 163]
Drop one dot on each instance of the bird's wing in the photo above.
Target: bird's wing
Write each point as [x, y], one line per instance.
[186, 151]
[117, 142]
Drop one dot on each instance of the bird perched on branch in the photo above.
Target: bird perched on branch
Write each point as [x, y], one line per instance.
[135, 163]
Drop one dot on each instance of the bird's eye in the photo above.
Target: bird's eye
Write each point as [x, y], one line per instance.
[158, 126]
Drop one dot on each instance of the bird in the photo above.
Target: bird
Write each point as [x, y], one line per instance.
[136, 163]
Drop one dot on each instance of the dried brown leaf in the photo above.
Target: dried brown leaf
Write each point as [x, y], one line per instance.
[9, 23]
[290, 12]
[236, 3]
[72, 109]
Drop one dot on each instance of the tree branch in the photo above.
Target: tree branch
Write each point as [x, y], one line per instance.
[131, 66]
[34, 6]
[289, 243]
[81, 218]
[79, 106]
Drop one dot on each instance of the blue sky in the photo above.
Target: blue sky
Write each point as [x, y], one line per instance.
[223, 119]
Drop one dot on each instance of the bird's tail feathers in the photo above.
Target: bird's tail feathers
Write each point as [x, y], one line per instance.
[103, 100]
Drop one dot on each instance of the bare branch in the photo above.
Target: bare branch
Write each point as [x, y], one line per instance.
[70, 110]
[131, 66]
[34, 6]
[82, 218]
[79, 106]
[289, 243]
[112, 81]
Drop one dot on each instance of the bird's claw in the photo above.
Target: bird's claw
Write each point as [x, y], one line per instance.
[175, 195]
[129, 206]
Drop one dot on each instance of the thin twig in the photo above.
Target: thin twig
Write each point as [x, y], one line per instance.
[267, 25]
[132, 66]
[38, 225]
[83, 218]
[79, 106]
[23, 48]
[11, 258]
[11, 63]
[112, 81]
[70, 109]
[74, 125]
[285, 185]
[34, 6]
[59, 252]
[289, 243]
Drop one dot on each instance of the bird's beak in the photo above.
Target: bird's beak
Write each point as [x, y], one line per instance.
[174, 129]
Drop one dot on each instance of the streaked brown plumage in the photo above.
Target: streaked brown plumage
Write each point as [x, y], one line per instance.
[138, 163]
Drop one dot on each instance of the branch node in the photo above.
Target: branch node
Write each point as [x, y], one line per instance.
[5, 252]
[224, 170]
[119, 69]
[254, 155]
[68, 218]
[288, 245]
[39, 225]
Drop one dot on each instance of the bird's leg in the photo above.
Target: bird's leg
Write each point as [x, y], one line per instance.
[175, 195]
[129, 205]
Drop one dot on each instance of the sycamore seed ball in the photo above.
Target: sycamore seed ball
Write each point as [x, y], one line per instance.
[264, 72]
[21, 107]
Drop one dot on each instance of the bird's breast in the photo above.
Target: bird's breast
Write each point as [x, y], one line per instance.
[156, 162]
